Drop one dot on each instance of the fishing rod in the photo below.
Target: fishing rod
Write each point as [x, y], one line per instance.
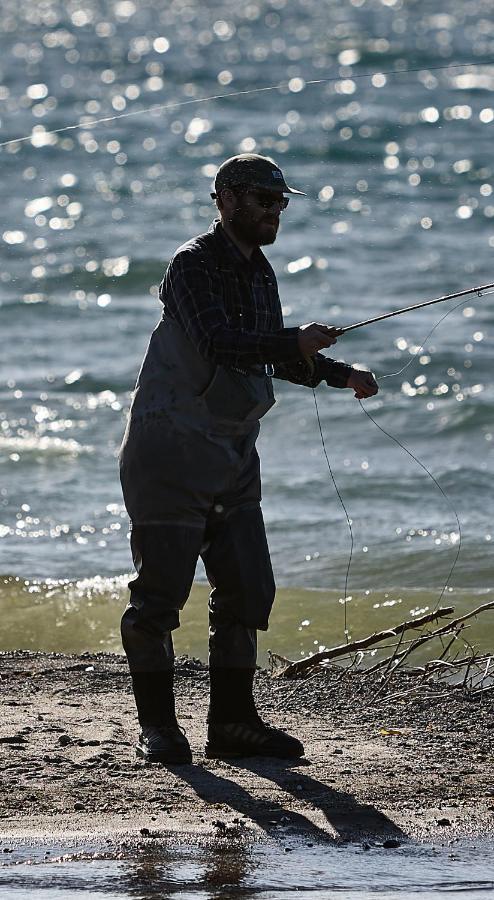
[398, 312]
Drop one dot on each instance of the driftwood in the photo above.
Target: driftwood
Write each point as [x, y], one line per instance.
[454, 627]
[412, 645]
[392, 662]
[301, 665]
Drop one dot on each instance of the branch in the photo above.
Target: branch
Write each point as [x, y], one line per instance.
[411, 646]
[295, 668]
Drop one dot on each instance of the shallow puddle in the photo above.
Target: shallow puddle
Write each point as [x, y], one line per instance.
[265, 872]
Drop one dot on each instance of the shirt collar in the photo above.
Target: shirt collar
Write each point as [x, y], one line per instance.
[257, 259]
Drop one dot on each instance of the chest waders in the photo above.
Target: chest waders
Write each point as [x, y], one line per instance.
[191, 484]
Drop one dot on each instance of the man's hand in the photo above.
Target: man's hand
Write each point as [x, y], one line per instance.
[314, 337]
[363, 383]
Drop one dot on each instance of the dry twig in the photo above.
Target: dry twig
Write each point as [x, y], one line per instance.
[301, 665]
[396, 659]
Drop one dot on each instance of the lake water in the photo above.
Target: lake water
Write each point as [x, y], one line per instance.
[398, 170]
[271, 872]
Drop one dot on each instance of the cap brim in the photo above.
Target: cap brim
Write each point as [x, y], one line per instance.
[282, 186]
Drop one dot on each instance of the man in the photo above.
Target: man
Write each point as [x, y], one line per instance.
[190, 470]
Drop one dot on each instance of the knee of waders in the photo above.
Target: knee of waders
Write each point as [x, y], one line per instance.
[145, 616]
[251, 609]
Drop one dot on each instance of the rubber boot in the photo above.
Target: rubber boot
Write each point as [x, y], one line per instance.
[234, 727]
[231, 695]
[153, 693]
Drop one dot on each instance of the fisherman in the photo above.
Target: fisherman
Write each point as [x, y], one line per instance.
[190, 470]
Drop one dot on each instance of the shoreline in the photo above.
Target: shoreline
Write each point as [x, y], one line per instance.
[70, 771]
[73, 617]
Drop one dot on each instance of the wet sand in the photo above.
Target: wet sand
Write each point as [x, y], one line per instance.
[69, 768]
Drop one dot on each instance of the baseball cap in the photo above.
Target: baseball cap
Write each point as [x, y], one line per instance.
[254, 171]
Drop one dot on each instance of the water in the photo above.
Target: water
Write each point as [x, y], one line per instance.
[271, 872]
[399, 175]
[76, 616]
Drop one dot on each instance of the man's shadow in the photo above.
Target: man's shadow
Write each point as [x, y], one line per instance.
[348, 819]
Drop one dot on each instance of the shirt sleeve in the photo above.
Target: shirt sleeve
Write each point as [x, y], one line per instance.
[191, 293]
[321, 368]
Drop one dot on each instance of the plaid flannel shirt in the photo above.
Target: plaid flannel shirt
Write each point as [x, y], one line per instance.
[229, 308]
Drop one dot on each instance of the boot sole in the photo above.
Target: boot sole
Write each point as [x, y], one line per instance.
[163, 757]
[218, 753]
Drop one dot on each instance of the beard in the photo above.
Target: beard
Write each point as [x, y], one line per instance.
[255, 233]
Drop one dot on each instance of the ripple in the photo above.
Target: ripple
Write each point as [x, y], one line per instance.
[43, 445]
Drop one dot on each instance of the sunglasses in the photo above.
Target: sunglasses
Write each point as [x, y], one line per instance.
[265, 199]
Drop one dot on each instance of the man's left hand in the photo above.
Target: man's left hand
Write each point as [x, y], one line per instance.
[363, 383]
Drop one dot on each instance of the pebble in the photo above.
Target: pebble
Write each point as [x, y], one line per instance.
[443, 822]
[145, 832]
[64, 740]
[79, 805]
[391, 844]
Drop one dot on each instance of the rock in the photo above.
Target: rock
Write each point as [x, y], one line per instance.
[443, 822]
[64, 740]
[391, 844]
[79, 806]
[145, 832]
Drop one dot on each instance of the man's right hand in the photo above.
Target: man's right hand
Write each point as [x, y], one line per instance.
[314, 337]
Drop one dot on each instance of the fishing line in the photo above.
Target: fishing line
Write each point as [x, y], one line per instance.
[436, 482]
[349, 521]
[274, 87]
[480, 293]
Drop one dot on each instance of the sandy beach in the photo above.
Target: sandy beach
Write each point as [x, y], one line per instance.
[407, 769]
